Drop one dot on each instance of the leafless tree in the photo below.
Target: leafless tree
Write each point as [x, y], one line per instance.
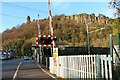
[115, 4]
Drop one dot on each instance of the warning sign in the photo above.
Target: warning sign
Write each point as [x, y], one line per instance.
[55, 62]
[55, 52]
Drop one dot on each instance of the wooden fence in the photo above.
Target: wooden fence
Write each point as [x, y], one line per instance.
[82, 67]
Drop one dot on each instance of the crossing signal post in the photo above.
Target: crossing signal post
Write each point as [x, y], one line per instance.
[46, 40]
[55, 55]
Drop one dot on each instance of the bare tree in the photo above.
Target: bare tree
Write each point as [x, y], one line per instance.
[115, 4]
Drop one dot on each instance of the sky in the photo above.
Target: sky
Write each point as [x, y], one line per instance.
[14, 13]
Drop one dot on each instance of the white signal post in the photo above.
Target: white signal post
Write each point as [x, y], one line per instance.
[39, 33]
[51, 34]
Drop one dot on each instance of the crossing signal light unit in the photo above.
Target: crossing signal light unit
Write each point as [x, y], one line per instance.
[42, 40]
[45, 40]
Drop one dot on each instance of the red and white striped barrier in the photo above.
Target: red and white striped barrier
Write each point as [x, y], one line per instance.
[51, 23]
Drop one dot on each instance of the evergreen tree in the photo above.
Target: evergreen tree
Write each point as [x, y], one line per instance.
[28, 19]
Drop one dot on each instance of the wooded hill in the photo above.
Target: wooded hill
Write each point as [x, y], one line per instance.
[68, 29]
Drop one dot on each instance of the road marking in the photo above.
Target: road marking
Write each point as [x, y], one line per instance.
[16, 71]
[46, 72]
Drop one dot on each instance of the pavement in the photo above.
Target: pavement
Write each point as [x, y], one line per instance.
[32, 70]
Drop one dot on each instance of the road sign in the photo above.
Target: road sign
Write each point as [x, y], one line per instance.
[55, 52]
[55, 62]
[33, 47]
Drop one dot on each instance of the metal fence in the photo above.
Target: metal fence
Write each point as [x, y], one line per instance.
[82, 66]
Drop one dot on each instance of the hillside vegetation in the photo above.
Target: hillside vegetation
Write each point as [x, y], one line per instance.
[69, 29]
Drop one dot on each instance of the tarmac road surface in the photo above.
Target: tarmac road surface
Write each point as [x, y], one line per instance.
[19, 69]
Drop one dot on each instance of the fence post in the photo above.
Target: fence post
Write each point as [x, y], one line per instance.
[102, 68]
[111, 46]
[80, 67]
[85, 66]
[92, 66]
[106, 68]
[95, 66]
[98, 57]
[110, 67]
[111, 52]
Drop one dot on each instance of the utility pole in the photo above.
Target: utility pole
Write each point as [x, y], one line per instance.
[88, 39]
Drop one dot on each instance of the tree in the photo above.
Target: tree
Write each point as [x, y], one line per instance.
[26, 48]
[116, 5]
[67, 30]
[28, 19]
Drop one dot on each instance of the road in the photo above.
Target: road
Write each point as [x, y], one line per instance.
[23, 69]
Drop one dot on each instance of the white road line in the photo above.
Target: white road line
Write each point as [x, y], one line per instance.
[46, 72]
[16, 71]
